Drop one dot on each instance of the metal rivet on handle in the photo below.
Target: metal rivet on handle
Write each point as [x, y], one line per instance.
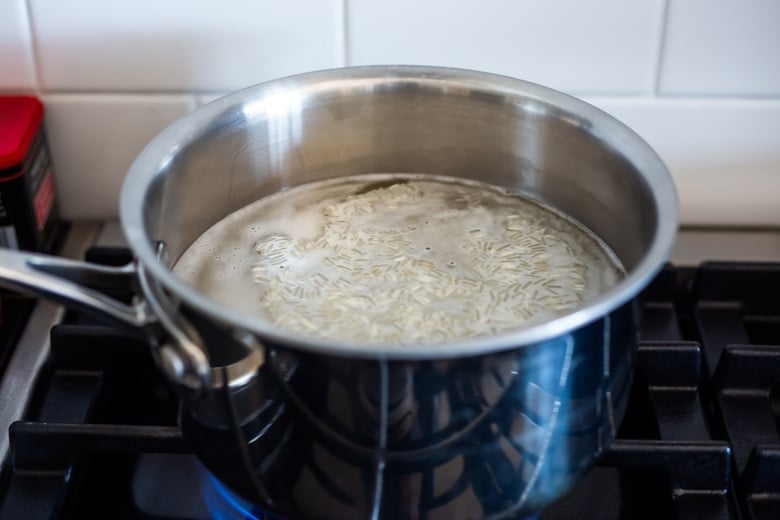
[171, 363]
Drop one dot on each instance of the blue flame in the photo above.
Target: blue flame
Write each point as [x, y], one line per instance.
[225, 505]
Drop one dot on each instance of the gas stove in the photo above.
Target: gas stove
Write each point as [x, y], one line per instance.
[92, 425]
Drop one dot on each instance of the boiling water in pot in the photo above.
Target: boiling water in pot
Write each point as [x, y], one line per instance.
[400, 259]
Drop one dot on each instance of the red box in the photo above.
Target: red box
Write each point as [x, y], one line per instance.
[27, 195]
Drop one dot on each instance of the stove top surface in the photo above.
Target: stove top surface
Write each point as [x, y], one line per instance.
[701, 438]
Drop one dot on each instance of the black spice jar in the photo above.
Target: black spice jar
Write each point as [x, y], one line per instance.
[28, 217]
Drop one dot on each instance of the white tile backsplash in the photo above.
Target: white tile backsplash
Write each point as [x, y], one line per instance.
[182, 45]
[572, 45]
[700, 79]
[17, 68]
[722, 47]
[724, 154]
[94, 139]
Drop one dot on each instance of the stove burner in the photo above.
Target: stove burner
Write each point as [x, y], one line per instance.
[225, 505]
[701, 438]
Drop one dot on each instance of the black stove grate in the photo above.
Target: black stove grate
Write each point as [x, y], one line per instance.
[14, 312]
[700, 438]
[737, 315]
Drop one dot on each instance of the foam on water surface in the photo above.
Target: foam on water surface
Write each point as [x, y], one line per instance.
[399, 259]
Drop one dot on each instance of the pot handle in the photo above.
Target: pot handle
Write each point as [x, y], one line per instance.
[77, 285]
[183, 358]
[74, 284]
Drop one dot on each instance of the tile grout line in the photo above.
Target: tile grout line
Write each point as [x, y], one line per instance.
[655, 91]
[343, 33]
[673, 98]
[176, 93]
[131, 93]
[34, 51]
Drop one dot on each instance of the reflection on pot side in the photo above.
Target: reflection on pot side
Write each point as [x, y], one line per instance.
[488, 437]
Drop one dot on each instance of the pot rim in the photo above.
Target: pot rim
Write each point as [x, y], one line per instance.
[151, 161]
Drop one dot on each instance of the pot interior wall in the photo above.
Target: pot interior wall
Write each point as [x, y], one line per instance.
[291, 133]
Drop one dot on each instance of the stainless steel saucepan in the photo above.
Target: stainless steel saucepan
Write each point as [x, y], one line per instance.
[310, 429]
